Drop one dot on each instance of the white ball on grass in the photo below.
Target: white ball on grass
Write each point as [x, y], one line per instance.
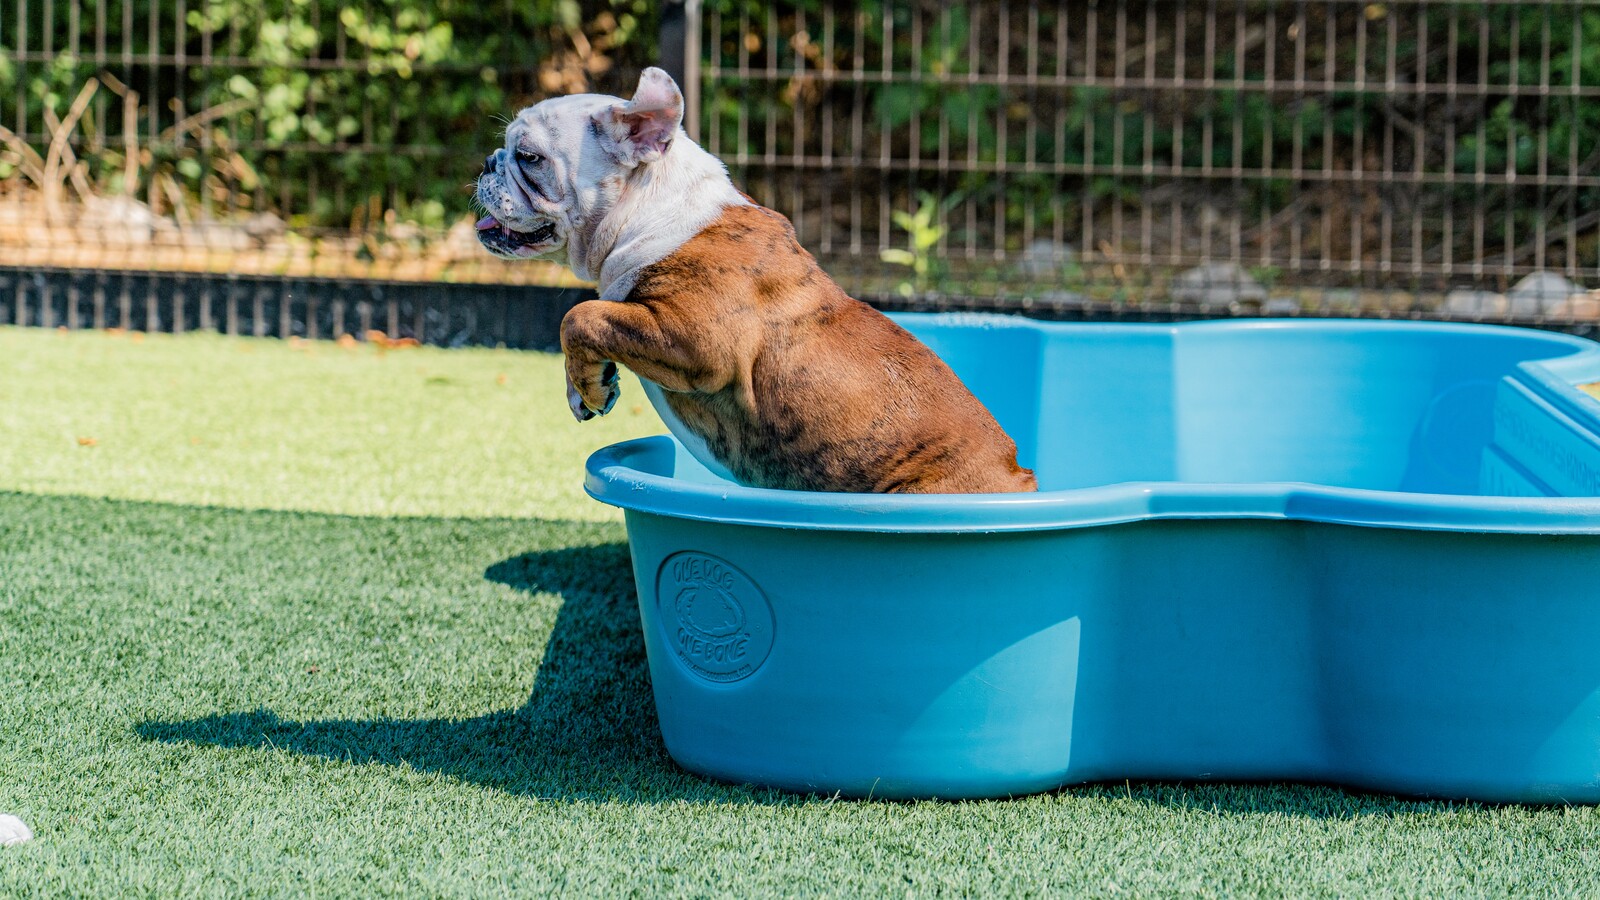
[13, 831]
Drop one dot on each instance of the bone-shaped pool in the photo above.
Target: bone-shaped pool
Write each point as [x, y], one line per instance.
[1365, 553]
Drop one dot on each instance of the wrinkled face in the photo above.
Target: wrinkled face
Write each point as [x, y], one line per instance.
[543, 186]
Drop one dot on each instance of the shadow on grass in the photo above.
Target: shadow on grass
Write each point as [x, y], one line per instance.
[588, 731]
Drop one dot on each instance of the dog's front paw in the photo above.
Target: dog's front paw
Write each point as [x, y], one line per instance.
[599, 399]
[575, 403]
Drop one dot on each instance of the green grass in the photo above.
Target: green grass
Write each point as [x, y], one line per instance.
[235, 667]
[206, 420]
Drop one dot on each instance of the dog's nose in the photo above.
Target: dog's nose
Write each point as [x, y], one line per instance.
[488, 164]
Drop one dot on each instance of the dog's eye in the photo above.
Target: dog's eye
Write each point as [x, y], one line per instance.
[529, 158]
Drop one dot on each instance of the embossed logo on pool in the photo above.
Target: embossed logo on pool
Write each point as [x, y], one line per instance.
[716, 620]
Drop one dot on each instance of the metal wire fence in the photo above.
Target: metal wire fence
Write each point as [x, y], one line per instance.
[1083, 159]
[304, 138]
[1419, 158]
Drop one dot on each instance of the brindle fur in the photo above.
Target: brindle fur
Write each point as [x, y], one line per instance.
[791, 383]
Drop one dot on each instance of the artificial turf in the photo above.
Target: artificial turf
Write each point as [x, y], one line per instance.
[366, 637]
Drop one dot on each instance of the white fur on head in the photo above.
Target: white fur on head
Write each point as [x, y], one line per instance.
[640, 130]
[622, 183]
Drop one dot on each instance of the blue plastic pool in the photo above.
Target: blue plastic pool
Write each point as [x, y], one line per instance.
[1365, 553]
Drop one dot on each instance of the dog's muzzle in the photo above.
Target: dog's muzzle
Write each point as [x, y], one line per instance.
[496, 236]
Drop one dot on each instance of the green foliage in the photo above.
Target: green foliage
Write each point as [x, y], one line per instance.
[924, 229]
[1036, 157]
[1510, 136]
[327, 102]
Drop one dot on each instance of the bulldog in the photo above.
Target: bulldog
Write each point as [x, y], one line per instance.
[755, 359]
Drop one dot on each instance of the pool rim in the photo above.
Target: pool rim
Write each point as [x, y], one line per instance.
[625, 474]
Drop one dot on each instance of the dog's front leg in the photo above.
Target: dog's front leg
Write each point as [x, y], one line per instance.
[598, 335]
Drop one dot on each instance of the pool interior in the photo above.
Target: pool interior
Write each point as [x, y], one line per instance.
[1457, 410]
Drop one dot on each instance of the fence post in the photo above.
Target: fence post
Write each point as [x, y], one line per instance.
[680, 55]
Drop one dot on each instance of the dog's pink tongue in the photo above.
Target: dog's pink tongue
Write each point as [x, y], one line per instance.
[487, 222]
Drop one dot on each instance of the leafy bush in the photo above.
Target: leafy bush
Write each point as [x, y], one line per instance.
[311, 107]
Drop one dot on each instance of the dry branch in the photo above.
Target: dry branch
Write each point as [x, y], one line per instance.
[60, 134]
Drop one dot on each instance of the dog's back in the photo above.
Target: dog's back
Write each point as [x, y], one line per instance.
[827, 393]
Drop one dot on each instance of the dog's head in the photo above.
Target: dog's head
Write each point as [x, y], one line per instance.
[565, 162]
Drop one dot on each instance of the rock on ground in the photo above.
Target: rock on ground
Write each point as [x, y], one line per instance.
[1540, 293]
[1044, 258]
[13, 831]
[1217, 285]
[1582, 307]
[1476, 303]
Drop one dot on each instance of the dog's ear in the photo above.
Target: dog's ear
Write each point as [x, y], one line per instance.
[639, 130]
